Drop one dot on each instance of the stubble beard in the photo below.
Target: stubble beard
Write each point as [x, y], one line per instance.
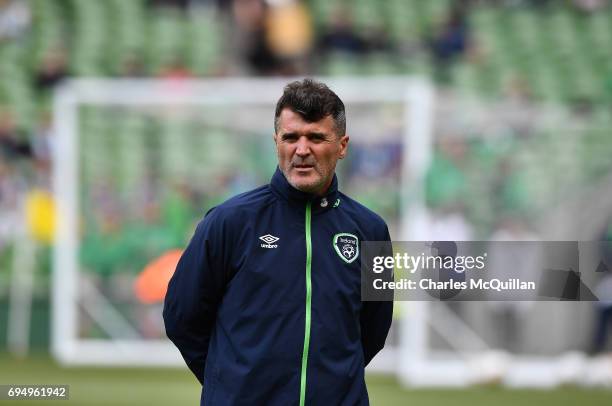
[313, 187]
[294, 180]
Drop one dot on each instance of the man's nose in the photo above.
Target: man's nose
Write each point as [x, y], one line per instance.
[303, 147]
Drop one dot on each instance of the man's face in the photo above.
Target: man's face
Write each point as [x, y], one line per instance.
[308, 152]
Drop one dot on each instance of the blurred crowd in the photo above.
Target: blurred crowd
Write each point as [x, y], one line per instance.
[286, 38]
[262, 38]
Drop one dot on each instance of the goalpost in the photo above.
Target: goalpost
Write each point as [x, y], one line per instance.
[131, 154]
[103, 147]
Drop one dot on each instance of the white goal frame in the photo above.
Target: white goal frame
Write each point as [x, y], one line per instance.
[415, 363]
[416, 95]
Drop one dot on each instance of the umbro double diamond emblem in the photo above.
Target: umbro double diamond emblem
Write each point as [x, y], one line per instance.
[269, 241]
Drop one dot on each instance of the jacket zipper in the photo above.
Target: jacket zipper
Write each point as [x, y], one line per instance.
[308, 304]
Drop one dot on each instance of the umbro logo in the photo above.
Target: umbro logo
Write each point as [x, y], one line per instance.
[269, 241]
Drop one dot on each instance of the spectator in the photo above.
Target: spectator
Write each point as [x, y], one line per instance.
[341, 36]
[446, 180]
[15, 19]
[377, 39]
[509, 186]
[11, 144]
[451, 40]
[52, 70]
[289, 34]
[11, 179]
[42, 150]
[9, 192]
[603, 291]
[589, 7]
[250, 53]
[603, 311]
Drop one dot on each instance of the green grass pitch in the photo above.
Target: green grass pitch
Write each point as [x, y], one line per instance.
[140, 386]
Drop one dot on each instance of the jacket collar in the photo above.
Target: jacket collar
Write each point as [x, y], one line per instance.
[283, 188]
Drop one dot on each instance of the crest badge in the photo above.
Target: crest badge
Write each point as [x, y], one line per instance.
[346, 246]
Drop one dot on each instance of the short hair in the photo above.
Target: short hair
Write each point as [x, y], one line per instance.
[313, 101]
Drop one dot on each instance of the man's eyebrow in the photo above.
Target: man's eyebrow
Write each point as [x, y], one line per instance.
[310, 134]
[317, 134]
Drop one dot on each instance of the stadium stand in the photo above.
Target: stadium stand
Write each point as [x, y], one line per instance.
[557, 53]
[561, 53]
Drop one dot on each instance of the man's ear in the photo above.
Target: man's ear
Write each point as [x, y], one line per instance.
[344, 141]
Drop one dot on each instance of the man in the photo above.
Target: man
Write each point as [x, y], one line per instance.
[265, 304]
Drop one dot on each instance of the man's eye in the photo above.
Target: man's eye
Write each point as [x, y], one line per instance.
[289, 138]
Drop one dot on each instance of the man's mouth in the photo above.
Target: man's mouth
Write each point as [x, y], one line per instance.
[303, 166]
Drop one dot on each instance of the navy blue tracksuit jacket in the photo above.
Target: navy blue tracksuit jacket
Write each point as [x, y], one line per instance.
[265, 304]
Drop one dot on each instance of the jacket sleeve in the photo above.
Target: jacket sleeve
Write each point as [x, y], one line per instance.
[376, 317]
[195, 292]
